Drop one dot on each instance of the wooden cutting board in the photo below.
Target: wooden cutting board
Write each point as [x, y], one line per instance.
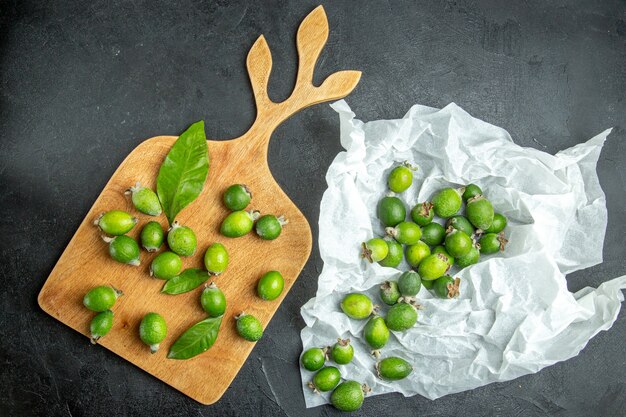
[85, 263]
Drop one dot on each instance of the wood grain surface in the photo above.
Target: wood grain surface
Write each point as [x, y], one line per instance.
[85, 263]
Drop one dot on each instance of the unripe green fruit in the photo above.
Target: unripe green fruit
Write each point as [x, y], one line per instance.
[460, 223]
[433, 266]
[326, 379]
[249, 327]
[152, 236]
[393, 369]
[374, 250]
[376, 332]
[458, 243]
[123, 249]
[115, 222]
[101, 298]
[423, 213]
[153, 330]
[237, 197]
[447, 202]
[394, 253]
[468, 259]
[409, 284]
[433, 234]
[269, 227]
[100, 325]
[145, 200]
[471, 190]
[400, 178]
[389, 292]
[447, 287]
[357, 306]
[415, 253]
[443, 251]
[238, 223]
[313, 359]
[401, 317]
[182, 240]
[348, 396]
[479, 212]
[213, 300]
[407, 233]
[270, 285]
[391, 211]
[216, 259]
[342, 352]
[166, 265]
[492, 243]
[498, 224]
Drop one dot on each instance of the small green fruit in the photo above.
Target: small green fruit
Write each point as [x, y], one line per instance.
[325, 379]
[101, 298]
[238, 223]
[471, 190]
[393, 369]
[145, 200]
[428, 284]
[152, 236]
[492, 243]
[400, 178]
[100, 325]
[357, 306]
[447, 202]
[389, 292]
[442, 250]
[460, 223]
[182, 240]
[249, 327]
[342, 352]
[348, 396]
[433, 266]
[458, 243]
[423, 213]
[447, 287]
[374, 250]
[376, 332]
[394, 253]
[166, 265]
[213, 300]
[409, 284]
[415, 253]
[498, 224]
[115, 222]
[123, 249]
[391, 211]
[479, 212]
[470, 258]
[153, 330]
[433, 234]
[269, 227]
[270, 285]
[216, 259]
[407, 233]
[237, 197]
[313, 359]
[401, 317]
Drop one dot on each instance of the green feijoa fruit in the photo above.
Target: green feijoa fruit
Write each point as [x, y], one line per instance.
[152, 330]
[342, 352]
[409, 284]
[238, 223]
[498, 224]
[447, 287]
[391, 211]
[447, 202]
[325, 379]
[237, 197]
[442, 250]
[100, 325]
[216, 258]
[407, 233]
[182, 240]
[393, 368]
[313, 359]
[213, 300]
[471, 190]
[433, 266]
[348, 396]
[376, 332]
[123, 249]
[145, 200]
[433, 234]
[423, 213]
[166, 265]
[400, 178]
[479, 212]
[152, 236]
[428, 284]
[401, 317]
[268, 227]
[270, 285]
[115, 222]
[458, 243]
[460, 223]
[394, 253]
[374, 250]
[470, 258]
[389, 292]
[357, 306]
[101, 298]
[249, 327]
[415, 253]
[492, 243]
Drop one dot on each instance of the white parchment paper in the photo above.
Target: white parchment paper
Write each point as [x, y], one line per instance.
[515, 315]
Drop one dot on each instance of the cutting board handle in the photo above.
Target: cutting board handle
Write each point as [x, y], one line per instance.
[311, 38]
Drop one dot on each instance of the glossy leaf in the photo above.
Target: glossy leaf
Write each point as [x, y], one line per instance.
[184, 171]
[196, 340]
[188, 280]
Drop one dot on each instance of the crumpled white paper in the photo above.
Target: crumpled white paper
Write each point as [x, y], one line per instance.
[515, 314]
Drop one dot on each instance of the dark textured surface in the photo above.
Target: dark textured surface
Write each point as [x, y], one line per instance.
[83, 83]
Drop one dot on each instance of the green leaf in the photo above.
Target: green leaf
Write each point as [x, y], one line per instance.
[196, 340]
[183, 172]
[188, 280]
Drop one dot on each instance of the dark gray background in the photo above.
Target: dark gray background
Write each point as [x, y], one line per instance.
[83, 83]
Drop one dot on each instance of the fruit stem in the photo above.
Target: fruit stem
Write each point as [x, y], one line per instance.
[343, 342]
[94, 338]
[502, 241]
[366, 253]
[453, 288]
[410, 166]
[391, 231]
[118, 293]
[376, 353]
[154, 348]
[282, 220]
